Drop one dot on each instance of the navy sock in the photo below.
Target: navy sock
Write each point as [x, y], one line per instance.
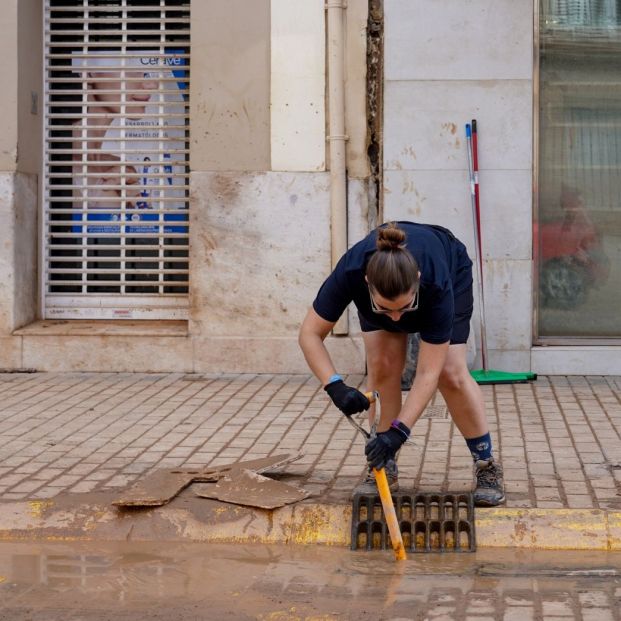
[481, 448]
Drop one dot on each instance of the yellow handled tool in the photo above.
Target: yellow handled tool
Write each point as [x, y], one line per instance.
[384, 491]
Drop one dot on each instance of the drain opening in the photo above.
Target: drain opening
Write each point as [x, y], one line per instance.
[429, 522]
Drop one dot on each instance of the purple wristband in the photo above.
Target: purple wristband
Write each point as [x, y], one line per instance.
[401, 428]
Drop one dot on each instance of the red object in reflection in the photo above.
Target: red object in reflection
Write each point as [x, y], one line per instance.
[571, 255]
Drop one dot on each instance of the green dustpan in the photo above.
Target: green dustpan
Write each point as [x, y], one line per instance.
[490, 376]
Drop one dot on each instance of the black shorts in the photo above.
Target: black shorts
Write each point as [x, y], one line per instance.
[464, 303]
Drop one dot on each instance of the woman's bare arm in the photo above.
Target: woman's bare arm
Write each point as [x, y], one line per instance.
[313, 332]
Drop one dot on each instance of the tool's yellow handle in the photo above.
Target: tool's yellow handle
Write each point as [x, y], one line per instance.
[371, 396]
[386, 498]
[390, 514]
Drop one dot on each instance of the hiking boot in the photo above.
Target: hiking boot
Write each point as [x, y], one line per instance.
[490, 488]
[369, 486]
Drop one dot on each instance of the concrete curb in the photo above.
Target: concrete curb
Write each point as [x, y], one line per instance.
[188, 520]
[202, 520]
[549, 529]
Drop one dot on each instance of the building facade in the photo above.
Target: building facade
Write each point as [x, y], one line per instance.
[178, 177]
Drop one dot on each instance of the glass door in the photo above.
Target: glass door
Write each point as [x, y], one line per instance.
[578, 220]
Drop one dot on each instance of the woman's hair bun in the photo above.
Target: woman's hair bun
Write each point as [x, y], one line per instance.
[390, 237]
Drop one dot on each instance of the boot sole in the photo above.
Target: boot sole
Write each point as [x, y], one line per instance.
[481, 502]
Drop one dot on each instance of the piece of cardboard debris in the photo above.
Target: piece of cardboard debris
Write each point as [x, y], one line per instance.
[161, 486]
[155, 490]
[244, 487]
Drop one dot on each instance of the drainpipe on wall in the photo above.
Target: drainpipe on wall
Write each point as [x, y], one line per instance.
[337, 138]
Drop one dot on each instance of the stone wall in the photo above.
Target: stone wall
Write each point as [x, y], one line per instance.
[20, 146]
[446, 63]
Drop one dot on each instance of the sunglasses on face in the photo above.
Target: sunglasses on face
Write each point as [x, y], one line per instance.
[412, 306]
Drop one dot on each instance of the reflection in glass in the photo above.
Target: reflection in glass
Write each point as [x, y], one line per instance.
[578, 227]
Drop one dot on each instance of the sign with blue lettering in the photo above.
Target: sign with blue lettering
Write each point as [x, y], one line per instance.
[130, 166]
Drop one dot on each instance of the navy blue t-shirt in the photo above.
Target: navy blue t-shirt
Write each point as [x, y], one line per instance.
[445, 272]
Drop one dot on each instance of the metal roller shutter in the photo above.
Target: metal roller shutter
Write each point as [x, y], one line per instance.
[115, 183]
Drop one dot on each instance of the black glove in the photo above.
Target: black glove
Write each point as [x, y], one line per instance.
[385, 445]
[347, 399]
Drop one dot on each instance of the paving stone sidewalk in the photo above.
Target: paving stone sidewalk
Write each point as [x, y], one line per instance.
[558, 437]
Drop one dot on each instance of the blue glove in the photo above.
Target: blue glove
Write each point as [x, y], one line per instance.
[385, 444]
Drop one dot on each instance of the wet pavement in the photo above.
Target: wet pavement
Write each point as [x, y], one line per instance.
[66, 437]
[118, 582]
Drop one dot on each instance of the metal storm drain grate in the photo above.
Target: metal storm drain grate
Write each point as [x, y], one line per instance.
[429, 522]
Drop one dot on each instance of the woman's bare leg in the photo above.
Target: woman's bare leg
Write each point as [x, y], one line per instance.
[385, 362]
[462, 394]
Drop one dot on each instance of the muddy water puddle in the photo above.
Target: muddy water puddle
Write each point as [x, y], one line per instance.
[174, 582]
